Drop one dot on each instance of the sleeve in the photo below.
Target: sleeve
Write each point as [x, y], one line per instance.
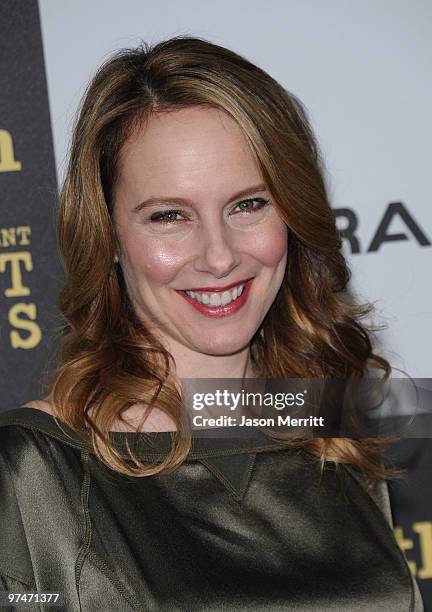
[15, 561]
[380, 494]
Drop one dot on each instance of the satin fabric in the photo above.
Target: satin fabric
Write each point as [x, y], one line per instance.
[244, 524]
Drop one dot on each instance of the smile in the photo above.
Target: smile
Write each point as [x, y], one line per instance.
[217, 299]
[218, 303]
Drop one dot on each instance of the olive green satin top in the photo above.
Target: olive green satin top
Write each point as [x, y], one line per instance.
[243, 524]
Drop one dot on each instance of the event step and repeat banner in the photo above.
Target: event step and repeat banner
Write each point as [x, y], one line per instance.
[30, 272]
[31, 275]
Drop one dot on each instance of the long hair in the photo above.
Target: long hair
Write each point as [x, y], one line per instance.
[109, 358]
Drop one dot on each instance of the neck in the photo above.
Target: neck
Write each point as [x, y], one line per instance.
[198, 365]
[189, 365]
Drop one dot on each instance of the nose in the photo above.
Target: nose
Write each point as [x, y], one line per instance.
[217, 253]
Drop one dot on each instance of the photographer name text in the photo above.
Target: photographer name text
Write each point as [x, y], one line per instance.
[280, 421]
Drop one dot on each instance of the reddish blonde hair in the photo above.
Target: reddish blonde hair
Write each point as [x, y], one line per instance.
[110, 359]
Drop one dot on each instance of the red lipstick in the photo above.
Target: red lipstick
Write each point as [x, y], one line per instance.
[220, 311]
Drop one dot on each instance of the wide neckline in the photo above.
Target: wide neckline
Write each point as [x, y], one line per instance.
[148, 445]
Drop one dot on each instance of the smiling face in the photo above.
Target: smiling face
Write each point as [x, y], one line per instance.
[191, 212]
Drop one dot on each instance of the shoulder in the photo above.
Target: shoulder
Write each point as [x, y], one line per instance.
[43, 405]
[37, 456]
[28, 414]
[378, 491]
[35, 462]
[15, 561]
[33, 427]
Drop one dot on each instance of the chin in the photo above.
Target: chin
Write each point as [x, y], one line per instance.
[223, 346]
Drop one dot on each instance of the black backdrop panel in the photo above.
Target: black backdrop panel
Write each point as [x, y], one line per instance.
[30, 273]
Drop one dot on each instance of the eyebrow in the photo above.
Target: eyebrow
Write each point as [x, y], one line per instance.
[187, 202]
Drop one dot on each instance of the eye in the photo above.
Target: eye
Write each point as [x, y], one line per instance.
[171, 217]
[248, 207]
[166, 217]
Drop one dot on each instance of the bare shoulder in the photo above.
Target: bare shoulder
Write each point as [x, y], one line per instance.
[42, 405]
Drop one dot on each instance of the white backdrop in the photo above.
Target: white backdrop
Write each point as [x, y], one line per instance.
[363, 71]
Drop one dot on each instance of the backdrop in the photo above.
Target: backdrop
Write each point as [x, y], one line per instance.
[363, 72]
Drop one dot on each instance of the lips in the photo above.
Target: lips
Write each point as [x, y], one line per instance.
[220, 311]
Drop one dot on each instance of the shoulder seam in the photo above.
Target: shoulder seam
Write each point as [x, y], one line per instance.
[75, 443]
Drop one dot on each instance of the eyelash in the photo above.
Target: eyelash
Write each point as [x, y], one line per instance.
[158, 217]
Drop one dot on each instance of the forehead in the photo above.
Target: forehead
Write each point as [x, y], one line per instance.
[182, 147]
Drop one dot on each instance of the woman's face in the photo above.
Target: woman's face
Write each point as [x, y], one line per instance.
[192, 214]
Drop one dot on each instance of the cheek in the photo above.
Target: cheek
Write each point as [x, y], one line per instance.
[270, 246]
[152, 261]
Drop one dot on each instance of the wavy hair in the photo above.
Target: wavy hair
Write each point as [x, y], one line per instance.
[109, 358]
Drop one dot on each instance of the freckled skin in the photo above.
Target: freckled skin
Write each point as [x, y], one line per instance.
[199, 154]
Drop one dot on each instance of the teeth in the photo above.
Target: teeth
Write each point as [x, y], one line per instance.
[217, 299]
[226, 298]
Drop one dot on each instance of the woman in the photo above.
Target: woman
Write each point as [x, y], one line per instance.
[198, 243]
